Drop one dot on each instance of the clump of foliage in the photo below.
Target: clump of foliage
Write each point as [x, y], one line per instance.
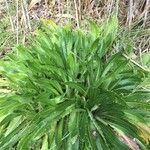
[68, 92]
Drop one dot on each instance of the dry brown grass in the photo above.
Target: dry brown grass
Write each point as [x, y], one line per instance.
[131, 12]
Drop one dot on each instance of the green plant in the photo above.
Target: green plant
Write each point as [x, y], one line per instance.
[68, 92]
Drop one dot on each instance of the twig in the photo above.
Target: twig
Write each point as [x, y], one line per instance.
[80, 10]
[146, 12]
[27, 14]
[23, 15]
[117, 7]
[130, 13]
[59, 6]
[68, 9]
[134, 62]
[77, 15]
[17, 26]
[11, 22]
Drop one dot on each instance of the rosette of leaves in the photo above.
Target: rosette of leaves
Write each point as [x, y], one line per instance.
[70, 92]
